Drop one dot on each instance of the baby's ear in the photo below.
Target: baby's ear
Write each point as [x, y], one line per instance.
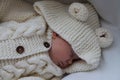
[79, 11]
[54, 35]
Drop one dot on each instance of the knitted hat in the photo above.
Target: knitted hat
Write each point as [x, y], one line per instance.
[77, 25]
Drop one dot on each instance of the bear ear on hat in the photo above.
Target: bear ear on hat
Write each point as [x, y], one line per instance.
[79, 11]
[104, 36]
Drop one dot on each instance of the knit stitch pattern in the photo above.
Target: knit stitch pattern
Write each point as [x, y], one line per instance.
[31, 35]
[77, 28]
[31, 29]
[17, 10]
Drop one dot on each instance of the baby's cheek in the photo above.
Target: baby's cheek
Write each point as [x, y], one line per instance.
[53, 58]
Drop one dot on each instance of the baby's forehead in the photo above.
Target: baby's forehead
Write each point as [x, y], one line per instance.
[57, 35]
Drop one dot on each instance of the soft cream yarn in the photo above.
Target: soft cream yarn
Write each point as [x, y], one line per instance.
[77, 24]
[79, 11]
[13, 29]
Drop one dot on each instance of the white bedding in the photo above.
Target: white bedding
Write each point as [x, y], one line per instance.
[110, 66]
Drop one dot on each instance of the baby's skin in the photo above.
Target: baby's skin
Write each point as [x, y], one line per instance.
[61, 52]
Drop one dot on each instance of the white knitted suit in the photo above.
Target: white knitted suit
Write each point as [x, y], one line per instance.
[24, 29]
[33, 35]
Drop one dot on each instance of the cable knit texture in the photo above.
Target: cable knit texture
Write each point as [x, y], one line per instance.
[40, 64]
[75, 23]
[13, 35]
[34, 60]
[23, 27]
[31, 35]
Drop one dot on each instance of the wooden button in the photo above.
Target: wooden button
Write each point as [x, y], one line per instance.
[20, 49]
[46, 44]
[103, 35]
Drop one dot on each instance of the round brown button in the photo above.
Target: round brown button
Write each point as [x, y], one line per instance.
[20, 49]
[103, 35]
[46, 44]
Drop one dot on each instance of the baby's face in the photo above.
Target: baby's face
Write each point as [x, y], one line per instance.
[61, 53]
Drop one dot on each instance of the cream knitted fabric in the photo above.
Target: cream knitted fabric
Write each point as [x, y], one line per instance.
[40, 64]
[31, 37]
[31, 78]
[31, 34]
[62, 1]
[4, 7]
[75, 24]
[18, 10]
[24, 42]
[14, 34]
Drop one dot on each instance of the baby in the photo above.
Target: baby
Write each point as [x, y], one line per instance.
[61, 52]
[60, 39]
[77, 36]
